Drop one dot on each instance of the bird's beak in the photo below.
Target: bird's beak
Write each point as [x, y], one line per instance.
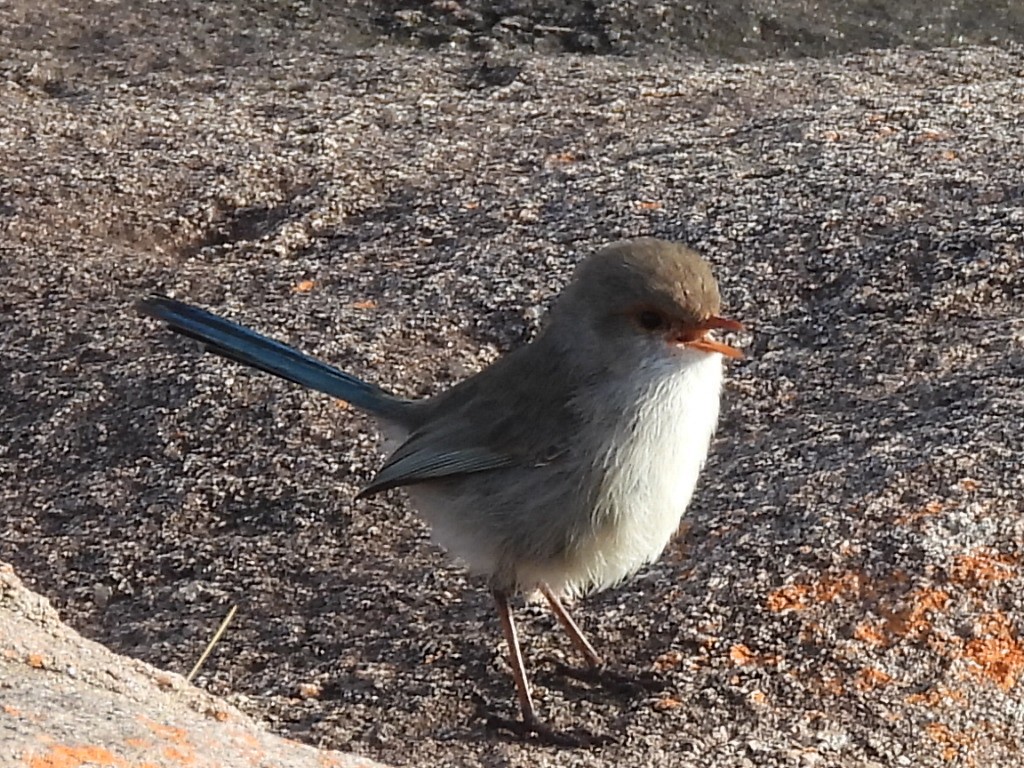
[696, 337]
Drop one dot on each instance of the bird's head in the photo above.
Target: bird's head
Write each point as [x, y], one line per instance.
[642, 298]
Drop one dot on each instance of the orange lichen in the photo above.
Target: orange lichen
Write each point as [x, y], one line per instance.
[36, 661]
[871, 633]
[310, 690]
[562, 158]
[912, 620]
[980, 567]
[844, 585]
[795, 597]
[666, 703]
[181, 756]
[798, 597]
[951, 741]
[365, 304]
[996, 652]
[931, 135]
[668, 660]
[870, 678]
[66, 756]
[304, 286]
[969, 484]
[741, 655]
[168, 733]
[934, 697]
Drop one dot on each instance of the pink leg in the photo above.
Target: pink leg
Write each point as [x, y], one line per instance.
[515, 658]
[530, 725]
[572, 628]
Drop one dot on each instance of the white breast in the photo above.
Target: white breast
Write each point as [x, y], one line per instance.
[650, 471]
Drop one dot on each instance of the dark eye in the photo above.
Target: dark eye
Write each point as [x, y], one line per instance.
[650, 320]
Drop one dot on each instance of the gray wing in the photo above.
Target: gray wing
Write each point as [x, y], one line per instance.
[414, 462]
[515, 413]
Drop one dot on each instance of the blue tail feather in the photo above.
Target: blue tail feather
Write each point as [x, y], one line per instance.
[235, 342]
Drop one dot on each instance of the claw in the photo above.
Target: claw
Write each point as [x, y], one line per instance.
[534, 730]
[636, 684]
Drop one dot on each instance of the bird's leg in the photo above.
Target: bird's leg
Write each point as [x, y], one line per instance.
[571, 628]
[596, 671]
[529, 725]
[515, 658]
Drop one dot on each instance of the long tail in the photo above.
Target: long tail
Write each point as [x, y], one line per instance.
[235, 342]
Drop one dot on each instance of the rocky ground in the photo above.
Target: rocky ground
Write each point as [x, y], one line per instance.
[68, 702]
[847, 587]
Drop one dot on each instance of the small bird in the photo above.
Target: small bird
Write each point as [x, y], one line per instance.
[565, 466]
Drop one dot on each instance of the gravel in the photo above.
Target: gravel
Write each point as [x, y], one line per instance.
[846, 590]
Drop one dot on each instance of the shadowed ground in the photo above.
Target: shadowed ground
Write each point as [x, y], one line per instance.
[847, 586]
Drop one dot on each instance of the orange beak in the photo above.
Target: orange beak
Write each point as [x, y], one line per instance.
[697, 338]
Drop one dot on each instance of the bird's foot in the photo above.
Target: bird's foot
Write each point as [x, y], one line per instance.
[530, 728]
[626, 684]
[542, 733]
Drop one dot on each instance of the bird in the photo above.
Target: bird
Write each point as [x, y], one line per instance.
[564, 467]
